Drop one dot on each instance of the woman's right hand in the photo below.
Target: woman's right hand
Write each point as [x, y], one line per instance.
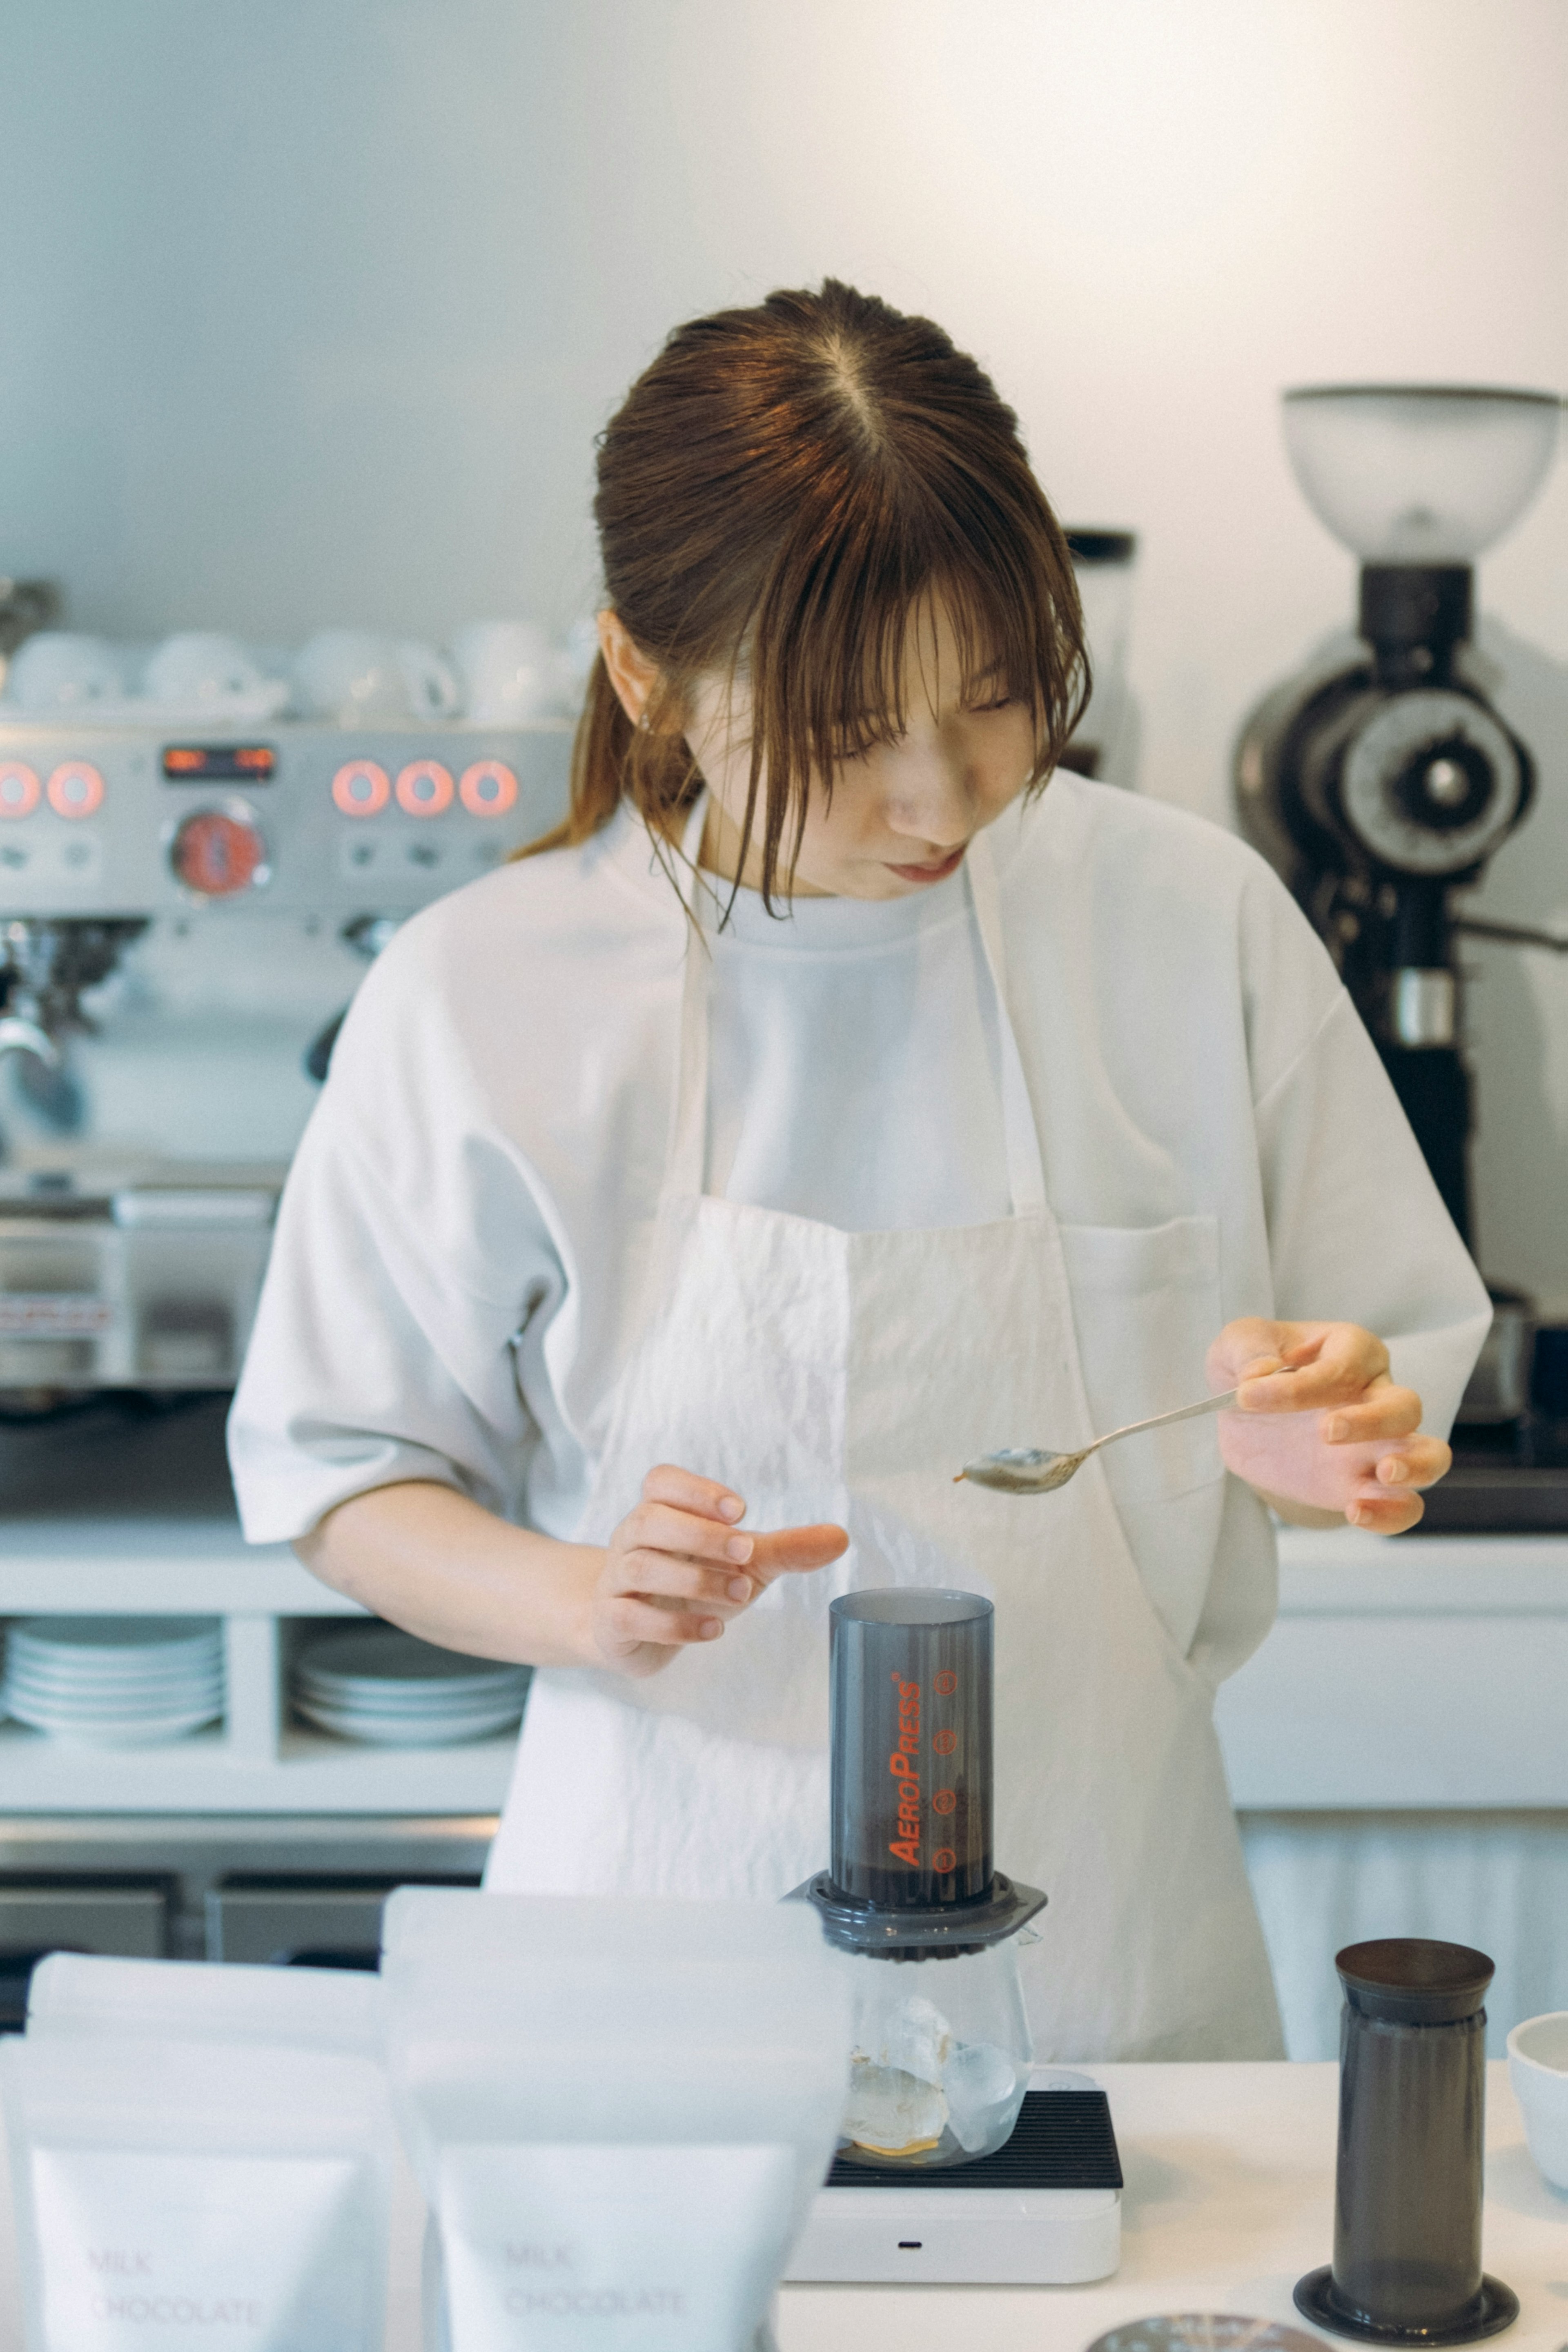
[679, 1568]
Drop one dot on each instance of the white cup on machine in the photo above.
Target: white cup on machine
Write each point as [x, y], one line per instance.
[429, 680]
[201, 669]
[59, 670]
[511, 673]
[357, 678]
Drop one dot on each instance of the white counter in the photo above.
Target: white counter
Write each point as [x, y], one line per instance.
[1424, 1672]
[1229, 2173]
[1229, 2197]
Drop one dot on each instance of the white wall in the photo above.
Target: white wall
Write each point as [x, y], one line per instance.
[309, 312]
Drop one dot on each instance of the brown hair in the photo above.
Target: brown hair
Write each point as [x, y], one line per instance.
[777, 494]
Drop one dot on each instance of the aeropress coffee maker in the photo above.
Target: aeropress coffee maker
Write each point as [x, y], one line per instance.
[943, 2050]
[939, 2097]
[1408, 2178]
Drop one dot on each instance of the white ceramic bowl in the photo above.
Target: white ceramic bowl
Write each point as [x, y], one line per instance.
[352, 678]
[201, 667]
[61, 670]
[1538, 2069]
[510, 674]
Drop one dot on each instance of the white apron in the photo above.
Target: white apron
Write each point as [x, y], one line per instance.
[845, 1376]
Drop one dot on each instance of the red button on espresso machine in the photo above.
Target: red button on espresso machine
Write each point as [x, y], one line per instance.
[425, 788]
[488, 789]
[75, 789]
[359, 788]
[20, 791]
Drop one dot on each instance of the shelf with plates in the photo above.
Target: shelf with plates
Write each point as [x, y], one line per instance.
[259, 1758]
[208, 1772]
[1406, 1674]
[103, 1515]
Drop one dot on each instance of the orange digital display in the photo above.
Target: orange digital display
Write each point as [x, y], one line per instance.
[208, 763]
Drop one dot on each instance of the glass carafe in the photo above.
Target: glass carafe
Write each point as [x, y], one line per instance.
[942, 2056]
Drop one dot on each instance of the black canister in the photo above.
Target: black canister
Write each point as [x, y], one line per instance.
[911, 1714]
[1407, 2187]
[910, 1871]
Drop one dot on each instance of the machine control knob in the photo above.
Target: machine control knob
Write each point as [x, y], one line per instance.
[361, 789]
[425, 788]
[1431, 783]
[19, 789]
[76, 789]
[218, 853]
[488, 789]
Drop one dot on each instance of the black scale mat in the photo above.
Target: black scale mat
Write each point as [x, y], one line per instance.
[1062, 2140]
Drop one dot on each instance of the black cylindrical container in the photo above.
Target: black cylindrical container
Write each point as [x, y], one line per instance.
[1408, 2192]
[911, 1701]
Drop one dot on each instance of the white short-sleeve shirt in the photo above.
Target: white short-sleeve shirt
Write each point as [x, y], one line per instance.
[460, 1240]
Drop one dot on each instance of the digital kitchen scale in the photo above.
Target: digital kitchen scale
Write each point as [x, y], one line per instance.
[1044, 2211]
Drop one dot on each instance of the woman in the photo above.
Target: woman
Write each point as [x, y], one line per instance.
[840, 1094]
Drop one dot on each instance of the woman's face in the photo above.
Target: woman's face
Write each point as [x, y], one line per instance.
[900, 817]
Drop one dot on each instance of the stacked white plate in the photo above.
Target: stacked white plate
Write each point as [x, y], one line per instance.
[378, 1684]
[114, 1682]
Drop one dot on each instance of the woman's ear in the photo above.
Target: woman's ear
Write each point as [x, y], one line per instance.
[632, 675]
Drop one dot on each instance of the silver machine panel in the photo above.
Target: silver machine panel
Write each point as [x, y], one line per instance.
[109, 822]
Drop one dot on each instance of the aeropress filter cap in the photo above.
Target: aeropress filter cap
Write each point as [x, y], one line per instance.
[1410, 1981]
[910, 1871]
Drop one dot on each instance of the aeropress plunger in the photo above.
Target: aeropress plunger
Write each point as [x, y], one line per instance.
[942, 2054]
[1407, 2187]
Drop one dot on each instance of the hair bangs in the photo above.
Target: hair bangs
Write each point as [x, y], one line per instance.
[785, 498]
[827, 655]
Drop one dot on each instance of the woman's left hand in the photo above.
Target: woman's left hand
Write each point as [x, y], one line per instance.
[1320, 1424]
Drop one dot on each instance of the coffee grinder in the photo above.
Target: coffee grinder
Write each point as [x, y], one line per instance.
[1380, 780]
[1105, 741]
[950, 2165]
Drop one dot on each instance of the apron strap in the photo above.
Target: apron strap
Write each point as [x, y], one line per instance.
[686, 1162]
[1025, 1161]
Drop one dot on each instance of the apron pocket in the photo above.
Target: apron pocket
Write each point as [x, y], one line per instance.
[1146, 1302]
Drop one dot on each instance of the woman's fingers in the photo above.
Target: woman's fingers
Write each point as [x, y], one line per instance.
[1419, 1462]
[687, 1491]
[671, 1576]
[656, 1528]
[1320, 1422]
[1384, 1515]
[659, 1527]
[1387, 1499]
[1387, 1411]
[678, 1568]
[797, 1549]
[1313, 1366]
[629, 1623]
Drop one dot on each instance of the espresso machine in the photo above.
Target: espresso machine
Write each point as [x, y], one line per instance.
[118, 1270]
[1380, 780]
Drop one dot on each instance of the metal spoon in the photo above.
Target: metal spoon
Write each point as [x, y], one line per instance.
[1032, 1470]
